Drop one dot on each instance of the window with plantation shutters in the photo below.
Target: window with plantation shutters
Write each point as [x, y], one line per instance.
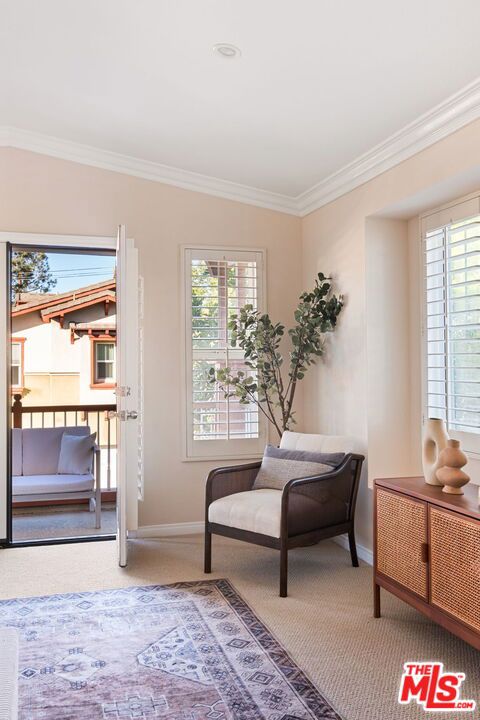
[452, 324]
[217, 284]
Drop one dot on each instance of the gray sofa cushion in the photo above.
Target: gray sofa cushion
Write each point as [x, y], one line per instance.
[49, 484]
[8, 674]
[41, 448]
[279, 466]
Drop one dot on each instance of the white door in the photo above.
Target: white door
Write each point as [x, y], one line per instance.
[4, 500]
[129, 447]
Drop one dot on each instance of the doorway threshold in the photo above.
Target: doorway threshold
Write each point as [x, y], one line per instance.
[59, 541]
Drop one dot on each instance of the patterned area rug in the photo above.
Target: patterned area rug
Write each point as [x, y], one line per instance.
[189, 651]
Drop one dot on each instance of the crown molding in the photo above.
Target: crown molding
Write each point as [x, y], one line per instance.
[128, 165]
[444, 119]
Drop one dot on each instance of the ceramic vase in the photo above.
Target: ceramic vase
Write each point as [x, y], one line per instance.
[449, 472]
[435, 439]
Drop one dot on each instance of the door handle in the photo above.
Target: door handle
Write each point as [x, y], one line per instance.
[122, 414]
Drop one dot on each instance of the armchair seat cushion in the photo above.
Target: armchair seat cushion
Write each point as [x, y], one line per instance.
[48, 484]
[257, 511]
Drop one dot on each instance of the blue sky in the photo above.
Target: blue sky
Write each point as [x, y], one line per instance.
[76, 270]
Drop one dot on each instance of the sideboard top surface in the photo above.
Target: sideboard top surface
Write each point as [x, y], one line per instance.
[467, 504]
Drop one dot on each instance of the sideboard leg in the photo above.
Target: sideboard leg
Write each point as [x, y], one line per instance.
[376, 600]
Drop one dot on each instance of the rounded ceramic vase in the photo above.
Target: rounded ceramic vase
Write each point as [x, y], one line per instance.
[449, 472]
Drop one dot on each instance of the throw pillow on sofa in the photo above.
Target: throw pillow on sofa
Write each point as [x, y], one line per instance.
[279, 466]
[76, 454]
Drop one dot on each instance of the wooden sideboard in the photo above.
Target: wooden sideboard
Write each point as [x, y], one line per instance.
[427, 552]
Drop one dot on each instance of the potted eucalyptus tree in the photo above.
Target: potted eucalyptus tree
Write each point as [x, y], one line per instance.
[266, 382]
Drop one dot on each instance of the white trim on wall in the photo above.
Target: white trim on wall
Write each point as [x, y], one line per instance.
[198, 528]
[458, 110]
[453, 113]
[146, 169]
[169, 530]
[363, 552]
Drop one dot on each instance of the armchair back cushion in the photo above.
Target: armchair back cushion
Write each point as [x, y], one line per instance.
[280, 465]
[318, 443]
[41, 448]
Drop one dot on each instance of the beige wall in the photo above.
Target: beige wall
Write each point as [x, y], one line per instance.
[338, 239]
[44, 195]
[388, 354]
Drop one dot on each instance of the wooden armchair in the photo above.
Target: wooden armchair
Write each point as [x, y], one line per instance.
[306, 511]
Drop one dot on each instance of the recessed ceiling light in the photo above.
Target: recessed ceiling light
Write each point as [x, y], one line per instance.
[227, 50]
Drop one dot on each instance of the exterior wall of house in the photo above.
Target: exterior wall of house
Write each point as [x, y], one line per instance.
[57, 372]
[46, 195]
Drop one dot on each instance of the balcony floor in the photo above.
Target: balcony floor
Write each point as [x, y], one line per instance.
[60, 521]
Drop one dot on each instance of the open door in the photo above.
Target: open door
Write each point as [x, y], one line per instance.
[128, 391]
[4, 388]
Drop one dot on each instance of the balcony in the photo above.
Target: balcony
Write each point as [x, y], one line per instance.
[68, 518]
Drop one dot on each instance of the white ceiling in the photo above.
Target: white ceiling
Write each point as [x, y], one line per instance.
[319, 82]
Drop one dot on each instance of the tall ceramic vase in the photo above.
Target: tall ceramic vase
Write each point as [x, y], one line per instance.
[435, 439]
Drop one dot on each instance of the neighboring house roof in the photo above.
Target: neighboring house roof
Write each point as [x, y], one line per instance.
[109, 326]
[77, 303]
[53, 304]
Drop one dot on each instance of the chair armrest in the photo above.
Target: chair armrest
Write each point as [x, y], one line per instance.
[230, 480]
[320, 500]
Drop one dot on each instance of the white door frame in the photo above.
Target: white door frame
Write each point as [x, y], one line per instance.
[94, 242]
[80, 242]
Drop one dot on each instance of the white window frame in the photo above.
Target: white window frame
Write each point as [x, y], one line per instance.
[200, 450]
[455, 211]
[108, 380]
[21, 365]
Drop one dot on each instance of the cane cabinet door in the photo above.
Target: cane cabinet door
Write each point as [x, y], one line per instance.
[402, 535]
[455, 565]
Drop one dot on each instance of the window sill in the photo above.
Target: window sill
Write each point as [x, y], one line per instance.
[223, 458]
[103, 386]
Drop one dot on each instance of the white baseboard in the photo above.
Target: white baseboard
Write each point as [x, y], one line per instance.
[191, 528]
[196, 528]
[363, 552]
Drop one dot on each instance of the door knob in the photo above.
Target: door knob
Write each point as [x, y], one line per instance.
[122, 415]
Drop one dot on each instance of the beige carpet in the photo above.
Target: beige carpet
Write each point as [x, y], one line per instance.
[326, 624]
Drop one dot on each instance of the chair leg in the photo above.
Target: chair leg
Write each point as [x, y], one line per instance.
[353, 547]
[208, 552]
[98, 509]
[283, 570]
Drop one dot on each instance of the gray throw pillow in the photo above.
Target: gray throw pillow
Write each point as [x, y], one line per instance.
[76, 454]
[279, 466]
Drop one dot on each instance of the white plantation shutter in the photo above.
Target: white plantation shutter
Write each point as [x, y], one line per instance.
[217, 284]
[452, 324]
